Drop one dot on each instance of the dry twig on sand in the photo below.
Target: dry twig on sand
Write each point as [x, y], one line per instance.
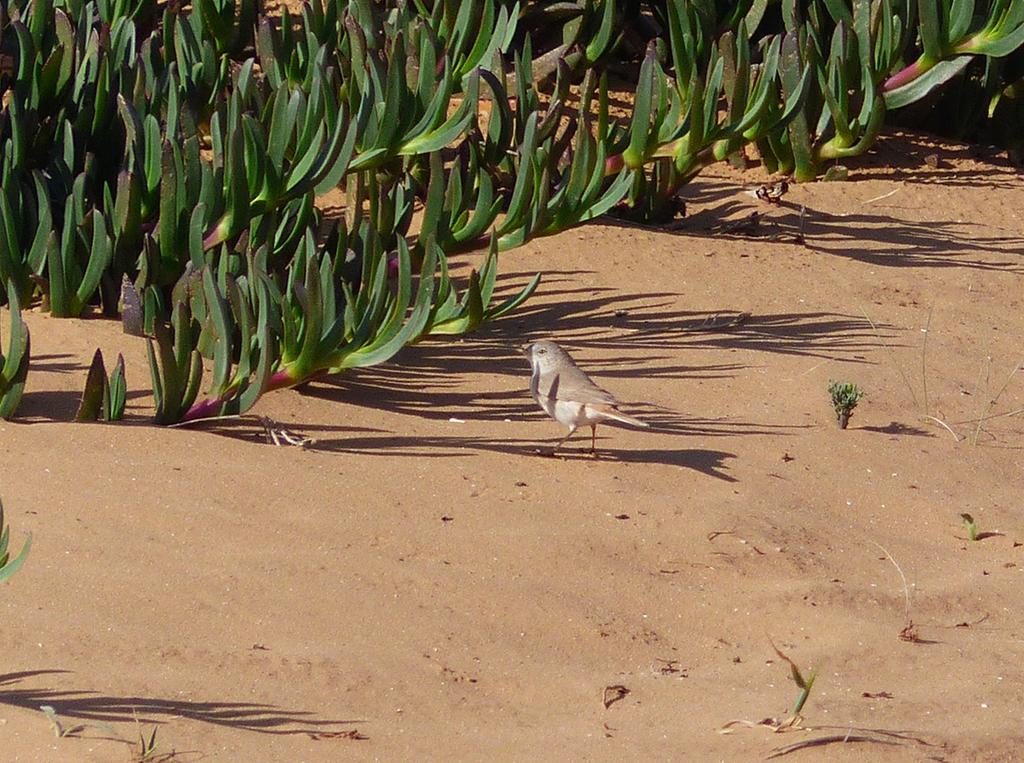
[909, 632]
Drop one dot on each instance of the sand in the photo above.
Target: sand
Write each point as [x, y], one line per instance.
[420, 584]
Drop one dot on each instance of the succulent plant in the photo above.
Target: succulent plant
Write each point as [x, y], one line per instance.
[9, 566]
[680, 122]
[856, 49]
[844, 397]
[14, 364]
[176, 367]
[186, 150]
[25, 224]
[315, 323]
[472, 33]
[103, 397]
[949, 33]
[76, 260]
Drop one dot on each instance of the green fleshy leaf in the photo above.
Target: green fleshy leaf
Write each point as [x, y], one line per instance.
[16, 362]
[413, 327]
[117, 392]
[91, 405]
[217, 309]
[514, 301]
[920, 87]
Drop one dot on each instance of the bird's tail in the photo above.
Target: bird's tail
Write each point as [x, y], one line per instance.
[617, 415]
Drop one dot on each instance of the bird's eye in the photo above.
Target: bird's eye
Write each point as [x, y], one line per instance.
[541, 351]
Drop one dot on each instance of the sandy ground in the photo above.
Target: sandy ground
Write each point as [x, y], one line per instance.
[421, 585]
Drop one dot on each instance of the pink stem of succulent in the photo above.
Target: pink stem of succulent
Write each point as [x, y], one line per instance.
[907, 74]
[209, 407]
[613, 164]
[212, 238]
[204, 409]
[283, 379]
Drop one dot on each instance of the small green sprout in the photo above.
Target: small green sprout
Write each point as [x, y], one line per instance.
[147, 750]
[971, 526]
[59, 729]
[63, 732]
[845, 397]
[804, 684]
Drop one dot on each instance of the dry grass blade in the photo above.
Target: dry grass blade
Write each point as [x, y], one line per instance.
[909, 631]
[945, 426]
[778, 752]
[892, 355]
[992, 403]
[883, 196]
[798, 679]
[924, 362]
[1006, 414]
[192, 422]
[772, 723]
[353, 734]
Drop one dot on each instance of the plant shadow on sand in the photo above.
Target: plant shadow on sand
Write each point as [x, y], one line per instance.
[91, 706]
[40, 406]
[870, 237]
[898, 428]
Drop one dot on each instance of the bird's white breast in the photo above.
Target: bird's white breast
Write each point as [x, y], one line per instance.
[570, 413]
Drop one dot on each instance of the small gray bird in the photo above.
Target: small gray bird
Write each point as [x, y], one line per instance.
[568, 395]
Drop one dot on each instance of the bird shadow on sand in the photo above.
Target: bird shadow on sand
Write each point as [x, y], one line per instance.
[709, 462]
[88, 706]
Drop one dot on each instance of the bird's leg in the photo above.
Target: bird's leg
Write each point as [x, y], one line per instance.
[562, 441]
[593, 439]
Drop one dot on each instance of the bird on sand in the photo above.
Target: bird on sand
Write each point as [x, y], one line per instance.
[568, 395]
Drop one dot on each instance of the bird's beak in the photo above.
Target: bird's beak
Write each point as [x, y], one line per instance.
[525, 349]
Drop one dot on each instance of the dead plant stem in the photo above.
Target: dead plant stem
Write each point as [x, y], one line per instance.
[906, 588]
